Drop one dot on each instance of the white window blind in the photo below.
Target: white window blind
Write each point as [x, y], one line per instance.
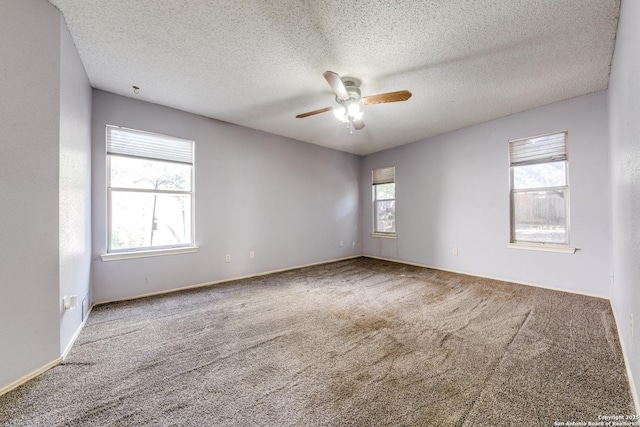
[130, 142]
[540, 149]
[384, 175]
[539, 190]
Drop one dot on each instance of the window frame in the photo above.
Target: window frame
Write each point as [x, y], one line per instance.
[144, 251]
[538, 245]
[383, 181]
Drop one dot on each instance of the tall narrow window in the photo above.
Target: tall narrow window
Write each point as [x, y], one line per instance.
[384, 201]
[539, 190]
[149, 190]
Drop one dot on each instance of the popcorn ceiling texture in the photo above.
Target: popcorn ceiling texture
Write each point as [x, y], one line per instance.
[259, 63]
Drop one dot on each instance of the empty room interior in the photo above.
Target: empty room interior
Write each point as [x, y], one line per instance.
[320, 213]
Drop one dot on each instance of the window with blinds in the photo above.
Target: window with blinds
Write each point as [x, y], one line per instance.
[149, 190]
[384, 201]
[539, 189]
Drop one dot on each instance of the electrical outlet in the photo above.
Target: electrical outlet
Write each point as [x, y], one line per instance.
[70, 303]
[454, 251]
[252, 254]
[341, 243]
[227, 258]
[631, 331]
[353, 244]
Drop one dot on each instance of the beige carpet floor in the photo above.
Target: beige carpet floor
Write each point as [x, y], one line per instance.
[360, 342]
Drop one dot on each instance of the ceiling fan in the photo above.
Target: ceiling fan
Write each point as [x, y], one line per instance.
[347, 90]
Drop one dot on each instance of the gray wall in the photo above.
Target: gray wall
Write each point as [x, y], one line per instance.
[453, 191]
[29, 123]
[45, 107]
[288, 201]
[29, 106]
[624, 128]
[75, 184]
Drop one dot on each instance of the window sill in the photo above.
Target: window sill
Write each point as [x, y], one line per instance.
[384, 235]
[546, 247]
[115, 256]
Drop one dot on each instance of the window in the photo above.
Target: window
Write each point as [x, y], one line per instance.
[149, 191]
[384, 201]
[539, 190]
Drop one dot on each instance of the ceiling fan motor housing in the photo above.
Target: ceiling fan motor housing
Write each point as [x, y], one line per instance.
[353, 91]
[352, 86]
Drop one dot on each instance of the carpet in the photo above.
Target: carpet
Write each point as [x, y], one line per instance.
[360, 342]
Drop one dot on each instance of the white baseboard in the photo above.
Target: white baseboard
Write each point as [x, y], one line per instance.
[64, 355]
[634, 392]
[66, 351]
[264, 273]
[30, 376]
[48, 366]
[231, 279]
[60, 359]
[501, 279]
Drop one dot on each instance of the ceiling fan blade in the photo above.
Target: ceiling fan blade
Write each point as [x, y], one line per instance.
[336, 84]
[401, 95]
[358, 124]
[311, 113]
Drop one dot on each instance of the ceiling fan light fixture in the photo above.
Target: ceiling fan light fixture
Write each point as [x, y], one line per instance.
[347, 92]
[348, 111]
[353, 109]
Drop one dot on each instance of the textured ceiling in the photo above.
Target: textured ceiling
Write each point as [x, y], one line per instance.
[259, 63]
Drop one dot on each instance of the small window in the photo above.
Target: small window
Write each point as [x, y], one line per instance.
[384, 201]
[149, 190]
[539, 190]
